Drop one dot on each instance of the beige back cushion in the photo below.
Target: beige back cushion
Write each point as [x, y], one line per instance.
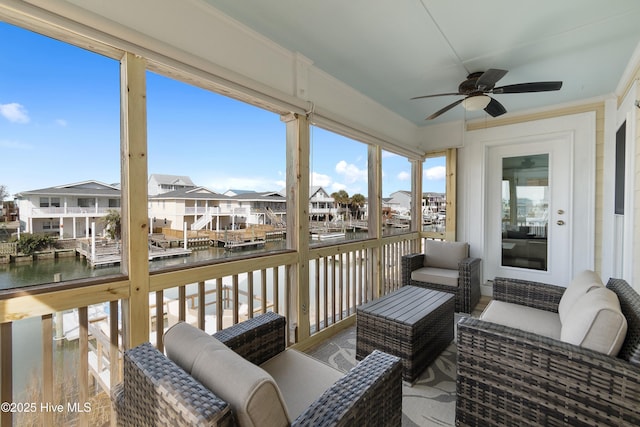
[580, 285]
[183, 343]
[596, 322]
[252, 393]
[444, 254]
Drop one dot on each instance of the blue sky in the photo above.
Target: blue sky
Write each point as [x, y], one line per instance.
[60, 124]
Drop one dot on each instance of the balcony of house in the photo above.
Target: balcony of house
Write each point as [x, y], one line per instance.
[89, 323]
[72, 211]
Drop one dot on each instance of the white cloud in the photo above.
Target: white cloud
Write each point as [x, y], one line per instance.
[61, 122]
[320, 180]
[336, 186]
[435, 173]
[404, 176]
[351, 172]
[14, 112]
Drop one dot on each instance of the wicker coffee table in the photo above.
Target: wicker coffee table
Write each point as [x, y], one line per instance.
[413, 323]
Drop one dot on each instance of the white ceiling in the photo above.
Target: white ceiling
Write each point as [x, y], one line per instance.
[394, 50]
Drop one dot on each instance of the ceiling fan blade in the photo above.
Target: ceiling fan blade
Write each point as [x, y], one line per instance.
[494, 108]
[489, 78]
[444, 110]
[529, 87]
[438, 94]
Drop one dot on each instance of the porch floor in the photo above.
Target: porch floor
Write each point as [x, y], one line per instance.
[431, 401]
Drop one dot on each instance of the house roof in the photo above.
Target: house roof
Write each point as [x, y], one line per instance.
[85, 188]
[172, 179]
[196, 193]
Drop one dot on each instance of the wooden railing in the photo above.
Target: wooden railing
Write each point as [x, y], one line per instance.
[72, 383]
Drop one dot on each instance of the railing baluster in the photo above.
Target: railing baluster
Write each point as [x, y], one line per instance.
[347, 272]
[332, 260]
[182, 302]
[317, 281]
[340, 288]
[250, 294]
[236, 296]
[6, 367]
[201, 319]
[263, 283]
[219, 303]
[325, 288]
[159, 320]
[114, 348]
[47, 366]
[276, 289]
[83, 373]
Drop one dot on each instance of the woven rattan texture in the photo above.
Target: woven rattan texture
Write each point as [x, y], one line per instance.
[370, 394]
[156, 392]
[417, 343]
[257, 339]
[510, 377]
[467, 293]
[160, 393]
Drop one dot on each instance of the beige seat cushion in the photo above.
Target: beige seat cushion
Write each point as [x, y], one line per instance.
[444, 254]
[596, 322]
[441, 276]
[525, 318]
[580, 285]
[300, 378]
[252, 393]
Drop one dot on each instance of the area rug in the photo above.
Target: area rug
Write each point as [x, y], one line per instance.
[431, 401]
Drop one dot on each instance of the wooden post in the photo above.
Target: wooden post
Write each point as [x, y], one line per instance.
[83, 368]
[135, 257]
[452, 170]
[416, 202]
[298, 154]
[375, 217]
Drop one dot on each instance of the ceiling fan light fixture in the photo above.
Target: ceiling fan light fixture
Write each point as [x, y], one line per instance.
[475, 103]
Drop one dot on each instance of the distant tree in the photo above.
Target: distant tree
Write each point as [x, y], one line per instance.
[357, 201]
[112, 225]
[4, 193]
[341, 198]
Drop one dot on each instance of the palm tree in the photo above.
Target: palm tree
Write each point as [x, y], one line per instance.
[112, 224]
[357, 201]
[341, 198]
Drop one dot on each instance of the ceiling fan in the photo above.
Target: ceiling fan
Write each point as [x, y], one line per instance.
[476, 87]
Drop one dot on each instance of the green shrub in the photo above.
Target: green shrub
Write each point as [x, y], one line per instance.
[30, 243]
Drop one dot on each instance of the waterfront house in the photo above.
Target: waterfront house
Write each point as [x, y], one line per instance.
[351, 69]
[70, 210]
[322, 207]
[162, 183]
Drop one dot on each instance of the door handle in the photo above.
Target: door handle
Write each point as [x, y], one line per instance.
[560, 222]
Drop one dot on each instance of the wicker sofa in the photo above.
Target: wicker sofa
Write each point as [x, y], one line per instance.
[507, 376]
[156, 391]
[446, 267]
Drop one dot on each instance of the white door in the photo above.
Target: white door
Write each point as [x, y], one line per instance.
[529, 212]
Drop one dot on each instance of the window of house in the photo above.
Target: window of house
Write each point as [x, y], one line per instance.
[220, 144]
[56, 100]
[434, 195]
[338, 188]
[396, 194]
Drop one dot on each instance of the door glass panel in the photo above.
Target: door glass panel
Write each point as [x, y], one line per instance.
[525, 211]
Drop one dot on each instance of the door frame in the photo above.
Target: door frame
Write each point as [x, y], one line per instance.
[559, 261]
[473, 165]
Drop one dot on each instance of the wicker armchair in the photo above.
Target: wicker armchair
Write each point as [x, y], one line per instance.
[157, 392]
[465, 273]
[510, 377]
